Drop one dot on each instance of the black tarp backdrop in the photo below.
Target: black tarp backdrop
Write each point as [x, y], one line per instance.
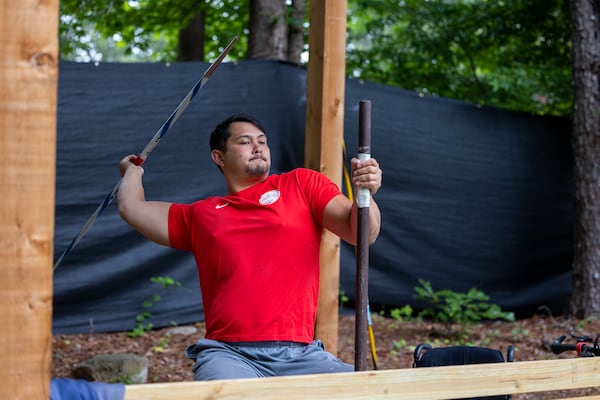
[472, 197]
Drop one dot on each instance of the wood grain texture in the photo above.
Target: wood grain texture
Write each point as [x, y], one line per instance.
[434, 383]
[323, 140]
[28, 87]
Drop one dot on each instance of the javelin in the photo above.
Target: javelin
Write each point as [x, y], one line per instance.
[149, 147]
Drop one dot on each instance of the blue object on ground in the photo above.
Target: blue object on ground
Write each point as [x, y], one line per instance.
[79, 389]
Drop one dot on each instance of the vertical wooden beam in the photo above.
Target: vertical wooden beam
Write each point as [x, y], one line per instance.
[28, 87]
[324, 135]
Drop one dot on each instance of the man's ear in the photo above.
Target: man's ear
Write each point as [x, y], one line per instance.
[217, 157]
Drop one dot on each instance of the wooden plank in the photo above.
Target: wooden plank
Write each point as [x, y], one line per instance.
[435, 383]
[28, 82]
[579, 398]
[323, 143]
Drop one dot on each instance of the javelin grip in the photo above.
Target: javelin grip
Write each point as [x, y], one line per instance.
[138, 160]
[363, 195]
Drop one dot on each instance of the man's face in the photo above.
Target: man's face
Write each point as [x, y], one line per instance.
[247, 151]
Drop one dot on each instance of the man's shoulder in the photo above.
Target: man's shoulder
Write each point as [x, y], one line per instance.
[304, 177]
[206, 202]
[301, 172]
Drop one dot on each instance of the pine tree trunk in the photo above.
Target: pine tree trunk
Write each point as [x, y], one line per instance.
[585, 38]
[268, 30]
[191, 40]
[296, 31]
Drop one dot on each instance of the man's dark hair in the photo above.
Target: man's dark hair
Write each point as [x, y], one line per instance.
[219, 136]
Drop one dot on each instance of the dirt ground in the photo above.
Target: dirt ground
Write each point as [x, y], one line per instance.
[395, 342]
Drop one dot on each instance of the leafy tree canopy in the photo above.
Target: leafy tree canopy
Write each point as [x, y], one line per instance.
[147, 30]
[506, 53]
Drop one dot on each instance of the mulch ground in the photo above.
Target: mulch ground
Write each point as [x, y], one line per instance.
[395, 342]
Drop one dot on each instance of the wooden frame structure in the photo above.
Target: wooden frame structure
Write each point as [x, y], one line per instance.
[324, 137]
[28, 88]
[416, 383]
[28, 83]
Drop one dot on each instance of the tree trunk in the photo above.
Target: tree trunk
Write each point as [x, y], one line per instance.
[585, 38]
[268, 30]
[296, 31]
[191, 40]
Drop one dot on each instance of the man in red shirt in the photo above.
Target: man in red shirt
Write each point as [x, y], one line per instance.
[257, 253]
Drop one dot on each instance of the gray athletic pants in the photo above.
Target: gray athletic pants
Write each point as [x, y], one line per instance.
[218, 360]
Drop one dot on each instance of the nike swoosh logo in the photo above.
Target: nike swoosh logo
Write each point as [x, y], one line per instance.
[221, 205]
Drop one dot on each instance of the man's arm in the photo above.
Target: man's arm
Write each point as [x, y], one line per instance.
[341, 214]
[150, 218]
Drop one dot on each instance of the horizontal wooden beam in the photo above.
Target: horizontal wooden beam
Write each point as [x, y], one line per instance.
[581, 398]
[415, 383]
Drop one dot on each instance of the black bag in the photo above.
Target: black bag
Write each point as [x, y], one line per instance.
[427, 356]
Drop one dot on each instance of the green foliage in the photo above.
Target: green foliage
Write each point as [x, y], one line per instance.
[581, 324]
[399, 344]
[162, 344]
[165, 281]
[511, 54]
[142, 326]
[520, 332]
[402, 314]
[449, 307]
[147, 29]
[344, 299]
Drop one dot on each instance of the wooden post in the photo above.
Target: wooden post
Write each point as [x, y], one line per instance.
[324, 134]
[28, 83]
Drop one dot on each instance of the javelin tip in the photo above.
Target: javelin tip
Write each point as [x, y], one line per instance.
[221, 57]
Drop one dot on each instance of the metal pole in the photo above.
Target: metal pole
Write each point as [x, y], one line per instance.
[363, 199]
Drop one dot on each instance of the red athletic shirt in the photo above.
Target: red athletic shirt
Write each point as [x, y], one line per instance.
[257, 253]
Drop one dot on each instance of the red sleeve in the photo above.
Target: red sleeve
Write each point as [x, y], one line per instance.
[178, 226]
[319, 190]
